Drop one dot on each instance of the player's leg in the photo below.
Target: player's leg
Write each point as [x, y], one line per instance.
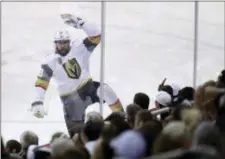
[73, 113]
[110, 97]
[74, 108]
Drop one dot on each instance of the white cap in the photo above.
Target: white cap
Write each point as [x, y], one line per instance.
[176, 89]
[163, 98]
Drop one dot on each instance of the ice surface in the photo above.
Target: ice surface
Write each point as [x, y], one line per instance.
[145, 42]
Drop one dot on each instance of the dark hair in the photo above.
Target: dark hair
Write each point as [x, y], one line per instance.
[168, 89]
[150, 132]
[131, 111]
[118, 120]
[187, 93]
[13, 146]
[142, 100]
[115, 116]
[92, 129]
[221, 77]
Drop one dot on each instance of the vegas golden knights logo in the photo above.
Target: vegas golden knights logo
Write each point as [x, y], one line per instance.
[72, 68]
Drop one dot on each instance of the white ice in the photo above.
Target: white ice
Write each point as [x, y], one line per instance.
[145, 42]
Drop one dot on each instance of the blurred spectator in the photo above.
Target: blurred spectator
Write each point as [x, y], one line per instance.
[93, 115]
[57, 135]
[39, 152]
[162, 100]
[186, 96]
[150, 131]
[78, 142]
[131, 112]
[130, 144]
[118, 120]
[103, 150]
[70, 153]
[221, 79]
[177, 112]
[191, 117]
[60, 145]
[108, 132]
[91, 132]
[142, 117]
[5, 154]
[208, 135]
[27, 138]
[205, 100]
[173, 136]
[142, 100]
[13, 146]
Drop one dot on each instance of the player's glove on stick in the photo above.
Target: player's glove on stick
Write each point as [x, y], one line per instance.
[37, 109]
[72, 20]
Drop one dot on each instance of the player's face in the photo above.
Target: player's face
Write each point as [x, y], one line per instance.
[62, 47]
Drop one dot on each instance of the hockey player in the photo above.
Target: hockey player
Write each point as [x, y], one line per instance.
[69, 67]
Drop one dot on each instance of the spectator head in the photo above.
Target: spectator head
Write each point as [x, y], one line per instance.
[92, 130]
[79, 140]
[142, 100]
[220, 103]
[28, 138]
[93, 115]
[163, 99]
[13, 146]
[186, 96]
[220, 121]
[103, 150]
[130, 144]
[142, 117]
[39, 152]
[108, 132]
[115, 116]
[191, 117]
[175, 135]
[58, 135]
[221, 79]
[60, 146]
[118, 120]
[207, 134]
[177, 112]
[205, 101]
[187, 93]
[150, 131]
[131, 112]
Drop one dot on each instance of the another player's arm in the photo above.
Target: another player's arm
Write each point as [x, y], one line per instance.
[42, 82]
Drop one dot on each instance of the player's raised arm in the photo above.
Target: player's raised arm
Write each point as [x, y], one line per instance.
[93, 32]
[41, 86]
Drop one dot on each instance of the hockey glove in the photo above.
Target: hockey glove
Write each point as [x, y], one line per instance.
[72, 20]
[38, 109]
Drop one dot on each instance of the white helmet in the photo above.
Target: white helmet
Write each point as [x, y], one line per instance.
[62, 35]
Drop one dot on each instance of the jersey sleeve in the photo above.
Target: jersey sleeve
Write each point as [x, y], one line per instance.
[94, 36]
[42, 81]
[44, 76]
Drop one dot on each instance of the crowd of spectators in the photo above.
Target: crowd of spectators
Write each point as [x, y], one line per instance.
[186, 123]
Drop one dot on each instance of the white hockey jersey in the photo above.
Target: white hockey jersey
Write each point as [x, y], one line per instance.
[71, 71]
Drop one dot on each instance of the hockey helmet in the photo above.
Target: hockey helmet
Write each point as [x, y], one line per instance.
[62, 35]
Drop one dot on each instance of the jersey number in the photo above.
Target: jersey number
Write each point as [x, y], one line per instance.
[72, 68]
